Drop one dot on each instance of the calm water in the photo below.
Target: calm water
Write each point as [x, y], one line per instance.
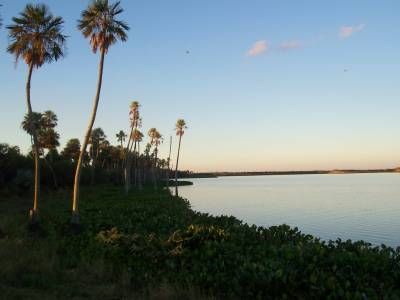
[351, 206]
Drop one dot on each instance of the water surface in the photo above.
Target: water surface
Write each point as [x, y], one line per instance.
[349, 206]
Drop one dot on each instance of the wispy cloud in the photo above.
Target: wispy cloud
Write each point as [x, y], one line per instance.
[348, 31]
[290, 45]
[258, 48]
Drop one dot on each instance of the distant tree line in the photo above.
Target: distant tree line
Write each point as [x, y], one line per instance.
[102, 163]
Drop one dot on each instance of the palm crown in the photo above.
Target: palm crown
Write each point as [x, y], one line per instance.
[98, 22]
[36, 36]
[137, 135]
[32, 122]
[121, 135]
[49, 119]
[180, 127]
[134, 114]
[155, 137]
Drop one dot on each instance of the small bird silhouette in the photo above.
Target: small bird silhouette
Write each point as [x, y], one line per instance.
[187, 51]
[345, 70]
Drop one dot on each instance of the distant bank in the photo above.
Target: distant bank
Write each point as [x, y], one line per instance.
[310, 172]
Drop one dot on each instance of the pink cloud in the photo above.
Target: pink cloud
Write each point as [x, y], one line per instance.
[258, 48]
[348, 31]
[290, 45]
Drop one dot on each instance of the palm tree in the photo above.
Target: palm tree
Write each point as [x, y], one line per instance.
[48, 139]
[97, 137]
[134, 117]
[121, 135]
[180, 127]
[71, 150]
[135, 122]
[36, 37]
[155, 140]
[98, 23]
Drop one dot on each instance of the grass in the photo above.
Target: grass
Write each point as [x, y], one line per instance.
[150, 245]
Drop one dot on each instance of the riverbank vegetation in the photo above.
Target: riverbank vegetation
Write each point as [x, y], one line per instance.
[150, 244]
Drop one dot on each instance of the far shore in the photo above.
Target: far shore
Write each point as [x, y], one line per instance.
[309, 172]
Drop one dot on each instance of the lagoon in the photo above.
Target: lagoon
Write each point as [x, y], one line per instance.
[347, 206]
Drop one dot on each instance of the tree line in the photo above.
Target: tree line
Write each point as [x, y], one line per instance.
[36, 38]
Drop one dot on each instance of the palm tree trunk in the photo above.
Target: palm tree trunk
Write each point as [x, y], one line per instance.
[127, 164]
[128, 168]
[134, 164]
[176, 166]
[127, 172]
[75, 201]
[138, 162]
[33, 214]
[169, 158]
[155, 169]
[128, 146]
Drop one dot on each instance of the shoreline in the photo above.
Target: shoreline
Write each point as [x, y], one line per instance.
[274, 173]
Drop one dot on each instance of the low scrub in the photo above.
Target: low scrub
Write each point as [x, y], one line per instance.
[146, 242]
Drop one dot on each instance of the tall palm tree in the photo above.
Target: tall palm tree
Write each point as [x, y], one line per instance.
[180, 127]
[36, 37]
[155, 140]
[99, 23]
[135, 122]
[121, 135]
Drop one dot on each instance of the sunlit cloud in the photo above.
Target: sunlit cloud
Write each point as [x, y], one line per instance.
[290, 45]
[348, 31]
[258, 48]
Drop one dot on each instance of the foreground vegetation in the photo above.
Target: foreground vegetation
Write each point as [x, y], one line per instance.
[151, 244]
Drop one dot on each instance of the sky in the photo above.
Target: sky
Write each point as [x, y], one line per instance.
[262, 85]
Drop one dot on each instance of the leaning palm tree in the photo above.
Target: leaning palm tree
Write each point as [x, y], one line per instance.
[180, 127]
[36, 37]
[99, 23]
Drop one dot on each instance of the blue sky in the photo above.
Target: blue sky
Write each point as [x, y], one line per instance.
[263, 87]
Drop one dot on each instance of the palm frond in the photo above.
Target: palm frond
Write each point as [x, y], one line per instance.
[36, 36]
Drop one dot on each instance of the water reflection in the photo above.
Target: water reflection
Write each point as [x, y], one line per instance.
[351, 206]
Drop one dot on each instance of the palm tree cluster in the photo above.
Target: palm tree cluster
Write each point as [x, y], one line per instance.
[36, 37]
